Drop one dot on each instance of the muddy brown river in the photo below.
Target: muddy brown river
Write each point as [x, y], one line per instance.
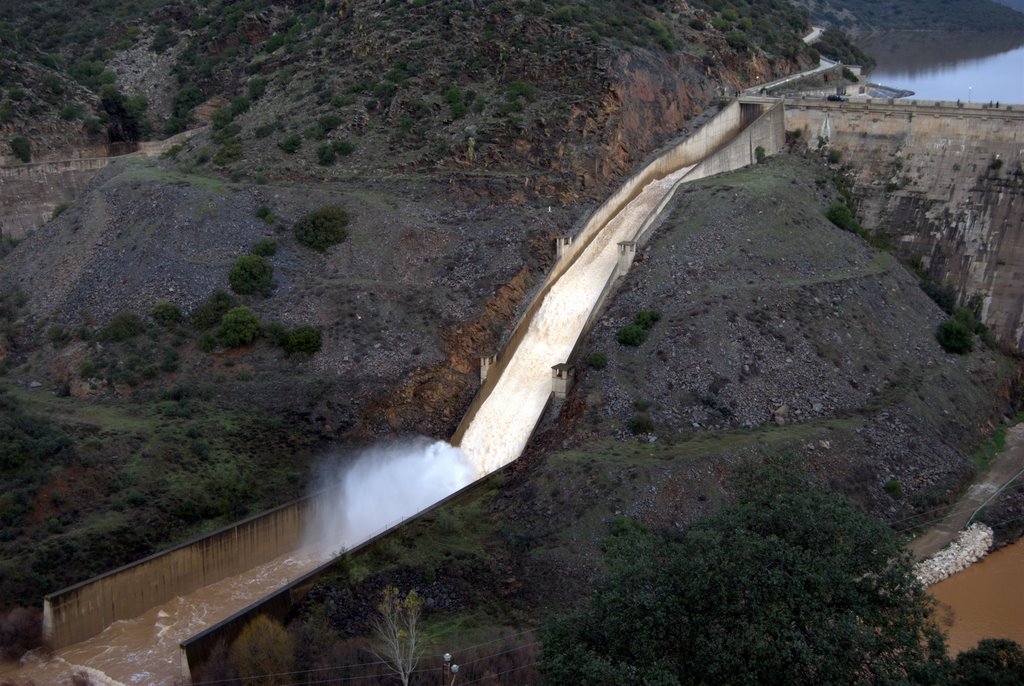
[986, 600]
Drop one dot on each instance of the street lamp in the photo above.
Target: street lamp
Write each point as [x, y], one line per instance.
[968, 94]
[448, 669]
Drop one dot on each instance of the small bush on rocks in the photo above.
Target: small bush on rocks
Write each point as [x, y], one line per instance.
[165, 313]
[240, 326]
[21, 147]
[631, 335]
[265, 247]
[597, 360]
[290, 144]
[840, 215]
[123, 326]
[304, 340]
[641, 424]
[322, 228]
[955, 337]
[251, 274]
[636, 333]
[209, 313]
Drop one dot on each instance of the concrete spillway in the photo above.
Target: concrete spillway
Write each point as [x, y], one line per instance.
[502, 426]
[139, 643]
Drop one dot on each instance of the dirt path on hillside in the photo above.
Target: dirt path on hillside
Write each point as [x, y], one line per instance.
[1005, 466]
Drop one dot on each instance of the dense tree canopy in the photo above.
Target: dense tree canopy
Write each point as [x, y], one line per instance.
[790, 584]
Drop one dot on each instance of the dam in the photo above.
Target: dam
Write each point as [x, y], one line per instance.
[156, 620]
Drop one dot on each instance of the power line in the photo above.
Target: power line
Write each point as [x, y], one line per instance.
[492, 676]
[243, 679]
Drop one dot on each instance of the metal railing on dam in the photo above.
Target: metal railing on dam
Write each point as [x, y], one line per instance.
[726, 142]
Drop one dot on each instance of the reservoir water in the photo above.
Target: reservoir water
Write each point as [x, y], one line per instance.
[980, 67]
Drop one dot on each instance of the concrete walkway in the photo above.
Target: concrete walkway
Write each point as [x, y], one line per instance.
[1005, 466]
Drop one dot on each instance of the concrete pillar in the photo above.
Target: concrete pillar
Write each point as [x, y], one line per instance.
[486, 362]
[561, 379]
[562, 243]
[627, 251]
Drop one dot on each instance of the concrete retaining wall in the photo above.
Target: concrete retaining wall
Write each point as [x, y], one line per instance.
[30, 192]
[84, 610]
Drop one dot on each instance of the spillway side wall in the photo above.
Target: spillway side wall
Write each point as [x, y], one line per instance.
[767, 130]
[712, 136]
[196, 650]
[86, 609]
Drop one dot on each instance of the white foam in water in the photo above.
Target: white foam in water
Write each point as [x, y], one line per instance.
[382, 486]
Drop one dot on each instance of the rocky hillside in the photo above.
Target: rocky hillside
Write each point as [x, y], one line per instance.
[519, 97]
[907, 15]
[778, 334]
[458, 138]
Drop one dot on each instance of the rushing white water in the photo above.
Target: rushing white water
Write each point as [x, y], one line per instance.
[383, 486]
[503, 424]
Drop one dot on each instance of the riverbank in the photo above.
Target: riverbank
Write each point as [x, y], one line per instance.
[1006, 467]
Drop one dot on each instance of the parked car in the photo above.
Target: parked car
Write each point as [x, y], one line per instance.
[837, 98]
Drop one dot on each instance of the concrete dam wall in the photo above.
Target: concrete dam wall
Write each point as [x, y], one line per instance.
[944, 183]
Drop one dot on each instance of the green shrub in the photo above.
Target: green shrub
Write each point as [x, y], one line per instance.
[207, 342]
[647, 319]
[209, 313]
[265, 247]
[257, 86]
[265, 213]
[250, 274]
[123, 326]
[342, 147]
[290, 143]
[894, 488]
[329, 122]
[276, 333]
[59, 209]
[737, 40]
[70, 111]
[240, 326]
[522, 89]
[597, 360]
[304, 340]
[631, 335]
[263, 130]
[955, 337]
[759, 154]
[834, 156]
[58, 335]
[944, 295]
[221, 117]
[165, 313]
[840, 215]
[325, 155]
[641, 424]
[322, 228]
[21, 147]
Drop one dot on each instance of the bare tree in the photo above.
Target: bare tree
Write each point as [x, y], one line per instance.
[398, 636]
